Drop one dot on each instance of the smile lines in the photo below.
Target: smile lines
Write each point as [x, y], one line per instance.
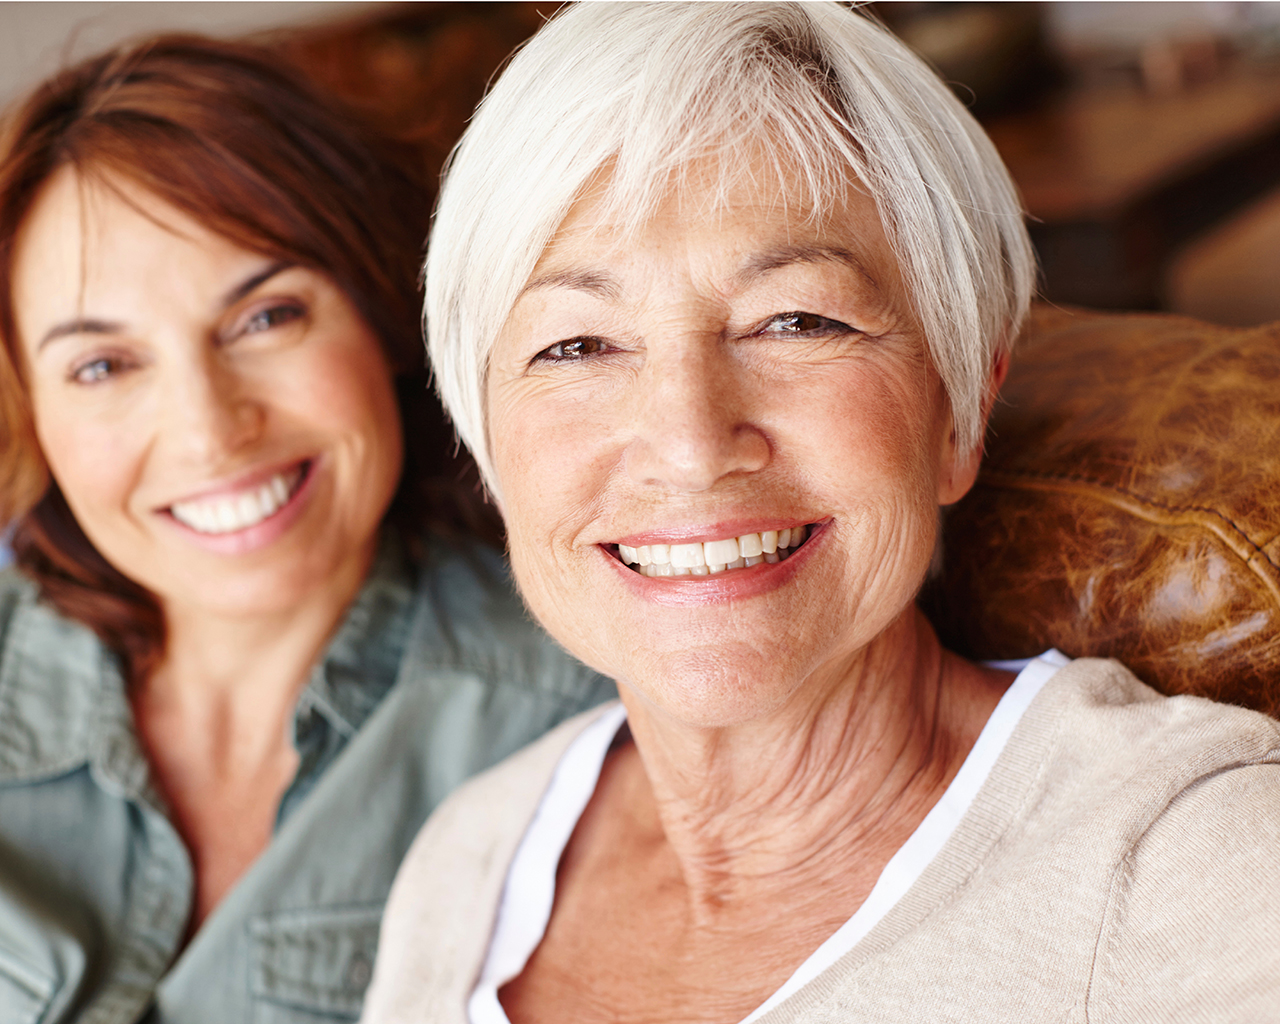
[713, 556]
[233, 512]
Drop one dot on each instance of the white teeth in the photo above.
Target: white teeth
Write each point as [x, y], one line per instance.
[713, 556]
[688, 555]
[224, 516]
[721, 552]
[279, 488]
[232, 513]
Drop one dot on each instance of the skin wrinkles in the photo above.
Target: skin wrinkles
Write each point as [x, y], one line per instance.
[787, 740]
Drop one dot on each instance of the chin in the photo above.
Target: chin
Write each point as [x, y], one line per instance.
[708, 692]
[277, 585]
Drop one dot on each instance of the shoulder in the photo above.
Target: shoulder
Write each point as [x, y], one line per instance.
[1194, 914]
[1191, 929]
[15, 588]
[488, 813]
[445, 898]
[50, 667]
[470, 617]
[36, 633]
[1123, 728]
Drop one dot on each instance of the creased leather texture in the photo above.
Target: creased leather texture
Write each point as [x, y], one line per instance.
[1128, 506]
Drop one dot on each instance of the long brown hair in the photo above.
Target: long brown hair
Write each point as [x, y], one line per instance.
[225, 134]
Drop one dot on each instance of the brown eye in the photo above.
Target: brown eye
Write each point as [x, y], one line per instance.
[805, 323]
[574, 348]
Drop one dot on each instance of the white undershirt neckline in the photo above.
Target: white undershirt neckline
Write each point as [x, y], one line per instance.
[529, 891]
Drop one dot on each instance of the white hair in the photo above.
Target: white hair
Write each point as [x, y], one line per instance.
[648, 88]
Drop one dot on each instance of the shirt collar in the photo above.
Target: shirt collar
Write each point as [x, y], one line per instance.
[62, 699]
[59, 688]
[363, 659]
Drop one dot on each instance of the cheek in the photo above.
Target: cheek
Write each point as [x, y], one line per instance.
[867, 432]
[95, 460]
[551, 453]
[349, 392]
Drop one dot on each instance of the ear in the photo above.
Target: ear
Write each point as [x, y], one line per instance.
[958, 470]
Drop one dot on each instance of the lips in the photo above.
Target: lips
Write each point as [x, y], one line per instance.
[707, 558]
[239, 510]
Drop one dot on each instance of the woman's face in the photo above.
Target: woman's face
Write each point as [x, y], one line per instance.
[223, 426]
[730, 373]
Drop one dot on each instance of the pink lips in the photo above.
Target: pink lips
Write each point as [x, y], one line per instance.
[733, 585]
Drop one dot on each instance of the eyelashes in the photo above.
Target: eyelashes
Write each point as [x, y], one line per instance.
[101, 367]
[796, 324]
[270, 317]
[97, 369]
[573, 350]
[801, 324]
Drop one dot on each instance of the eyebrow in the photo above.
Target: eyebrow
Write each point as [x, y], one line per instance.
[596, 282]
[765, 262]
[87, 325]
[604, 285]
[246, 286]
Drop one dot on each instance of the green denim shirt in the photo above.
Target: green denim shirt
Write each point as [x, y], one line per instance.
[435, 674]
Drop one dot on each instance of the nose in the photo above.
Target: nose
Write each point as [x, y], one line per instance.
[693, 420]
[212, 412]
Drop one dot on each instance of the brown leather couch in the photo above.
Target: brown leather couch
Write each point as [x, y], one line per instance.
[1128, 506]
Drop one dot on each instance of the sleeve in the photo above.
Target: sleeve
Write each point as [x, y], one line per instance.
[1193, 932]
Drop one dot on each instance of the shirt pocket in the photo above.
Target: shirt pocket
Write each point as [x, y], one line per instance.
[25, 991]
[312, 964]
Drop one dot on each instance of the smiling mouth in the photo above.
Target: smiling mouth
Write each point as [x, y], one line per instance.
[231, 513]
[711, 557]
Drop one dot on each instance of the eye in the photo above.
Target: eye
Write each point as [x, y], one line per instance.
[97, 370]
[272, 316]
[801, 323]
[572, 350]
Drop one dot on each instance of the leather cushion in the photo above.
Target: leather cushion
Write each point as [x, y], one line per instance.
[1128, 506]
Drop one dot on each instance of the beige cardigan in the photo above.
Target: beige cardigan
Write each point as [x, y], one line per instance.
[1121, 863]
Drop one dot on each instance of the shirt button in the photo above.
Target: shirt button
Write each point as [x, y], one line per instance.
[359, 971]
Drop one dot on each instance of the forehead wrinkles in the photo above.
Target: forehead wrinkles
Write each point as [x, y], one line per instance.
[793, 228]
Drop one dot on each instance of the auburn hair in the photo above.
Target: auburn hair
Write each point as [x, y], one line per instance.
[227, 135]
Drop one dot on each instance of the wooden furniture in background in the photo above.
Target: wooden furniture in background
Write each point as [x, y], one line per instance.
[1117, 181]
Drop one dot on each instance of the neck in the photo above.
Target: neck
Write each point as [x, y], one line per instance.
[841, 774]
[233, 679]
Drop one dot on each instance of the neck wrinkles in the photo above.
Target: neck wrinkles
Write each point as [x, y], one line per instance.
[836, 780]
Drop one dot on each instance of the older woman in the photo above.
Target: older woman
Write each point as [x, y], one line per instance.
[240, 669]
[720, 296]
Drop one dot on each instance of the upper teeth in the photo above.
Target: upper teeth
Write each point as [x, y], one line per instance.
[231, 512]
[713, 556]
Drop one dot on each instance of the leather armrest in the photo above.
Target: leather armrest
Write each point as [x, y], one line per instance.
[1128, 506]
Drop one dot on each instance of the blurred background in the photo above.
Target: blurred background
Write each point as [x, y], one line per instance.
[1145, 137]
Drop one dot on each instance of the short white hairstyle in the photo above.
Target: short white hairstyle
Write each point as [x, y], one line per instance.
[646, 89]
